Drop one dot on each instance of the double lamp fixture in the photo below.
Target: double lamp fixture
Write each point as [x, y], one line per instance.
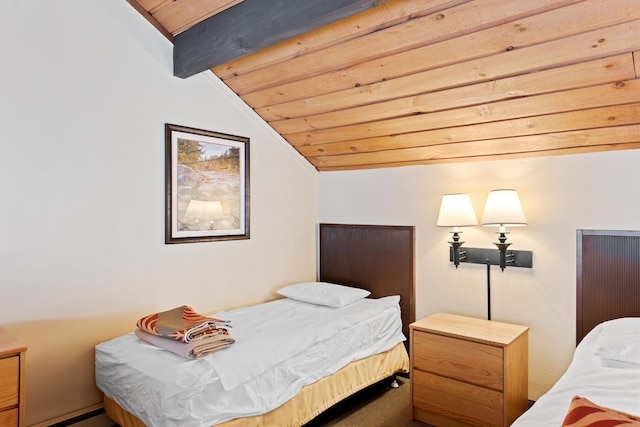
[502, 209]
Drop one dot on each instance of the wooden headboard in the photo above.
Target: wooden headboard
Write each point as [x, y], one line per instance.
[378, 258]
[608, 277]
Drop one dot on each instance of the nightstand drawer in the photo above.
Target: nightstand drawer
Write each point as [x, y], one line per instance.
[442, 399]
[9, 418]
[9, 381]
[462, 360]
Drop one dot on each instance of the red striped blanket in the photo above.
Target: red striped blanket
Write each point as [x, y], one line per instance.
[182, 324]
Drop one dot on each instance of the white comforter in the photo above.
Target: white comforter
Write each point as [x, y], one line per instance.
[605, 382]
[280, 347]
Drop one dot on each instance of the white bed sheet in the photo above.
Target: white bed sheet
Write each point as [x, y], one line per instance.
[607, 383]
[273, 357]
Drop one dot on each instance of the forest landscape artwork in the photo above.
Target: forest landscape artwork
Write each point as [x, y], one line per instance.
[207, 185]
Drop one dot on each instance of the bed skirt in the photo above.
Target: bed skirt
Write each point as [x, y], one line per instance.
[312, 399]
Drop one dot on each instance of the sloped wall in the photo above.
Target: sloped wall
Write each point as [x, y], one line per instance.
[86, 88]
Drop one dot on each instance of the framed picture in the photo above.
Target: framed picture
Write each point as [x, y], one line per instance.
[207, 184]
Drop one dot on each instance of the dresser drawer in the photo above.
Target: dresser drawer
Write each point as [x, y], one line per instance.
[467, 361]
[9, 381]
[9, 418]
[464, 403]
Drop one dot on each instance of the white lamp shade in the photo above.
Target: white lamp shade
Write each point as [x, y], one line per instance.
[204, 209]
[503, 209]
[456, 210]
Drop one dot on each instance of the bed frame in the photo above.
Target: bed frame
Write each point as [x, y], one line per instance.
[608, 277]
[376, 258]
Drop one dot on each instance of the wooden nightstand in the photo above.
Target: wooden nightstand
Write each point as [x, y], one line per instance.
[12, 370]
[468, 372]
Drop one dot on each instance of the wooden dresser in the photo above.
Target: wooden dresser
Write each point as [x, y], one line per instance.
[468, 372]
[12, 380]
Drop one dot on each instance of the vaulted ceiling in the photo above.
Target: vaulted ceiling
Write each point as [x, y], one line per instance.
[354, 84]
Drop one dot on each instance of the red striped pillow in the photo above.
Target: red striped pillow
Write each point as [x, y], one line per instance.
[583, 413]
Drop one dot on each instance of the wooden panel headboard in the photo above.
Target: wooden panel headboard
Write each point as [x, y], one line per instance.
[378, 258]
[608, 277]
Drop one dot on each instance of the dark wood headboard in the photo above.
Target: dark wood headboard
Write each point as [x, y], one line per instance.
[608, 277]
[378, 258]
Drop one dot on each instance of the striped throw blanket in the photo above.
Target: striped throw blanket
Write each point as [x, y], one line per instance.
[182, 324]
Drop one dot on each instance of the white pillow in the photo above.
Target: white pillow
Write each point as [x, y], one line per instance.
[620, 340]
[323, 293]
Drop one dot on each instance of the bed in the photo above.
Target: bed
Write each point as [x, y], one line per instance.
[603, 378]
[133, 375]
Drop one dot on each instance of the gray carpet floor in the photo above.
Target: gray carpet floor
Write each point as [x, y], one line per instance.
[378, 406]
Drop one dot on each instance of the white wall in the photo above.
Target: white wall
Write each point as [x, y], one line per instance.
[85, 90]
[559, 195]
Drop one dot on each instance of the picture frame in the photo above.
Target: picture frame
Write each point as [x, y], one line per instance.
[207, 185]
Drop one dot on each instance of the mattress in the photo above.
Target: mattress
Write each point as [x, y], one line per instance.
[312, 400]
[273, 358]
[603, 370]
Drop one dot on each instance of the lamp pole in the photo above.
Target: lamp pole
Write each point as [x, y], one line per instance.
[488, 289]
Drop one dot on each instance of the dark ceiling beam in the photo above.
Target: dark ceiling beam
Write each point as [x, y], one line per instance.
[253, 25]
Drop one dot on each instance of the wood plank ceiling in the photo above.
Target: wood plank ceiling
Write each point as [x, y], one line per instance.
[411, 82]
